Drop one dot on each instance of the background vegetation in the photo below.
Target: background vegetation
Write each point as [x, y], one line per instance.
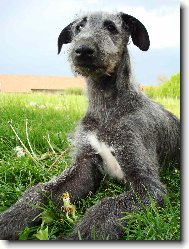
[41, 125]
[169, 88]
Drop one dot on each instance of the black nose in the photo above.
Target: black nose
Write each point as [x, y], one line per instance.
[84, 51]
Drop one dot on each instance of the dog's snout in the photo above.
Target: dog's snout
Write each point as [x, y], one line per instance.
[84, 51]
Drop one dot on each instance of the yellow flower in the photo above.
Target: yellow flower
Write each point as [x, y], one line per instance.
[68, 208]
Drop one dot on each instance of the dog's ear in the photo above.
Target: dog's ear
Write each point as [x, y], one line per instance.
[137, 30]
[65, 36]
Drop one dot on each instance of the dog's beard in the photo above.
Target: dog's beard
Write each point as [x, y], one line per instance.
[93, 70]
[102, 66]
[88, 71]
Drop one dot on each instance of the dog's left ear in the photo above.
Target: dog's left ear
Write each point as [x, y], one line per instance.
[65, 36]
[138, 32]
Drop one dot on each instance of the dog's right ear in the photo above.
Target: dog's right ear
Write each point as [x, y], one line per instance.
[65, 36]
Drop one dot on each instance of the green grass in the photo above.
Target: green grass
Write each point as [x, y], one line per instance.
[43, 123]
[171, 104]
[50, 120]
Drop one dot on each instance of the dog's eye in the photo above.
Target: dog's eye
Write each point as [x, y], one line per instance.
[110, 27]
[79, 27]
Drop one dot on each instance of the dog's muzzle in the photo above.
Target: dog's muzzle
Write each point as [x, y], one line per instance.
[86, 60]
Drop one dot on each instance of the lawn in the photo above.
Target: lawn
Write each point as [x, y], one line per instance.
[42, 125]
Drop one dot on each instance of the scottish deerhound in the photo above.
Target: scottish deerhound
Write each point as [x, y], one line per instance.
[124, 134]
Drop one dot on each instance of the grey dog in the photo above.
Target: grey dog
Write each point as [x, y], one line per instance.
[123, 135]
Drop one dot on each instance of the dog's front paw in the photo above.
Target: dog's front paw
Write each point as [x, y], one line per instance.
[99, 223]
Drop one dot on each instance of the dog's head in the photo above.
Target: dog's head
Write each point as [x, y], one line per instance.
[98, 41]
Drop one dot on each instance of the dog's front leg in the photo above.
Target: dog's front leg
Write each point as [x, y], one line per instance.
[106, 219]
[80, 179]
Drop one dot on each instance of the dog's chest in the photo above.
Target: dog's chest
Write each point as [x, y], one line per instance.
[111, 166]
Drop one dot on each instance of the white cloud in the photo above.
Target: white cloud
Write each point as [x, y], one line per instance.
[163, 24]
[30, 30]
[164, 27]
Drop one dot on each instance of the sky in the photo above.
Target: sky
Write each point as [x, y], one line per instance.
[29, 31]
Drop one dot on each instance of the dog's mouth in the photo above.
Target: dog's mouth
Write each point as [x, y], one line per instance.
[88, 68]
[85, 64]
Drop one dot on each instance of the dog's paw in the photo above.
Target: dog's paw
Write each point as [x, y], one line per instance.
[99, 223]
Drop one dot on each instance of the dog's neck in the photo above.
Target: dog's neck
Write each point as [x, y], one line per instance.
[106, 92]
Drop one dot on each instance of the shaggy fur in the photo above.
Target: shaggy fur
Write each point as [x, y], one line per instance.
[123, 134]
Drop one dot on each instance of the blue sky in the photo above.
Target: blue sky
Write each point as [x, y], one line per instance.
[29, 32]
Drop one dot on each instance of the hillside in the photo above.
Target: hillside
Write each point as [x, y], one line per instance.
[32, 83]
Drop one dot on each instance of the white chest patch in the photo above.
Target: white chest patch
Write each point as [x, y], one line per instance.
[111, 166]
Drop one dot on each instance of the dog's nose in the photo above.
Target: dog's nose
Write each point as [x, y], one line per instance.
[84, 51]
